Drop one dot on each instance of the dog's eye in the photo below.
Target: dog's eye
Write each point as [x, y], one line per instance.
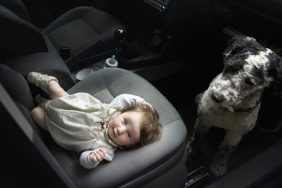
[248, 81]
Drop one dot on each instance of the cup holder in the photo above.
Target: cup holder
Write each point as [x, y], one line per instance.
[84, 73]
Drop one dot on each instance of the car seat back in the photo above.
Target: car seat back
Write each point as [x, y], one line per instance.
[18, 36]
[16, 86]
[18, 7]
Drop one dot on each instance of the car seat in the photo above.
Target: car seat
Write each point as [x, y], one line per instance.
[45, 164]
[81, 34]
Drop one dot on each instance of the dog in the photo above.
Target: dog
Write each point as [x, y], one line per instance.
[233, 98]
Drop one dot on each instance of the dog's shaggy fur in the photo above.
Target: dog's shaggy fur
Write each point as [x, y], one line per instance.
[233, 99]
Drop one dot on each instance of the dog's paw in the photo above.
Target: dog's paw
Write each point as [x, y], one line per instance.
[189, 147]
[189, 151]
[192, 150]
[217, 169]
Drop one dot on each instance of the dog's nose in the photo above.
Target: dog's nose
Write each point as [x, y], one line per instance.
[217, 97]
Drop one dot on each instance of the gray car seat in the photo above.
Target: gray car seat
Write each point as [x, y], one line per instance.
[161, 164]
[81, 34]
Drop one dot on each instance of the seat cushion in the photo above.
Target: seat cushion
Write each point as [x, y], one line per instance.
[134, 168]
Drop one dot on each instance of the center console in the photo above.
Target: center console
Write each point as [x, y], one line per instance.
[160, 5]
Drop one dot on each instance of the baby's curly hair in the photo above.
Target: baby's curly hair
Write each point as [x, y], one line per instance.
[151, 127]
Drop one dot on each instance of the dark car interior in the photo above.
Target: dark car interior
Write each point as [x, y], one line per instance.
[168, 51]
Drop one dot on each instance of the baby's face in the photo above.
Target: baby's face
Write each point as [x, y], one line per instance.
[124, 128]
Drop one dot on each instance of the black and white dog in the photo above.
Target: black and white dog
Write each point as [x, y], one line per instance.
[233, 99]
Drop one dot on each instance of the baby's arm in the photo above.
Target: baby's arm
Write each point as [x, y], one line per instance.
[125, 100]
[91, 158]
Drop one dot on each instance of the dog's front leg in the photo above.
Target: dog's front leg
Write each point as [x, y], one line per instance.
[227, 146]
[197, 140]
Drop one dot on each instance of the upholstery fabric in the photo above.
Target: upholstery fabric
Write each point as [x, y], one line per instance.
[44, 62]
[19, 36]
[82, 29]
[17, 7]
[16, 86]
[85, 23]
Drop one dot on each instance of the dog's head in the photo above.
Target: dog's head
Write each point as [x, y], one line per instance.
[249, 67]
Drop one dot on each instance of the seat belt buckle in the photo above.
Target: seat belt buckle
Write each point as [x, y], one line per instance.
[65, 52]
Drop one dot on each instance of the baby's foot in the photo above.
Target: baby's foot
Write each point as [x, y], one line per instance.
[40, 80]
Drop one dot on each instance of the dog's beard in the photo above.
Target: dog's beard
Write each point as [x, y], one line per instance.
[230, 100]
[223, 106]
[229, 108]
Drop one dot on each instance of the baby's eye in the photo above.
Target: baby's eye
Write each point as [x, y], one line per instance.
[125, 121]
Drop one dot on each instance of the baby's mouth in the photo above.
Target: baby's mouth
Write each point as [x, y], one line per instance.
[111, 138]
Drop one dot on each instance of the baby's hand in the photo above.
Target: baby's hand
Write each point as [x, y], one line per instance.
[147, 105]
[97, 155]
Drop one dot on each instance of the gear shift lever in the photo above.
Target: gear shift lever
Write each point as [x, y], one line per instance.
[120, 34]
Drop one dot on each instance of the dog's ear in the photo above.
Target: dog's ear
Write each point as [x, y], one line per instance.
[233, 56]
[232, 66]
[275, 71]
[237, 44]
[241, 46]
[275, 64]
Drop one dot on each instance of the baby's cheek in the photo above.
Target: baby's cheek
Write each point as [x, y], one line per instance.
[115, 120]
[125, 141]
